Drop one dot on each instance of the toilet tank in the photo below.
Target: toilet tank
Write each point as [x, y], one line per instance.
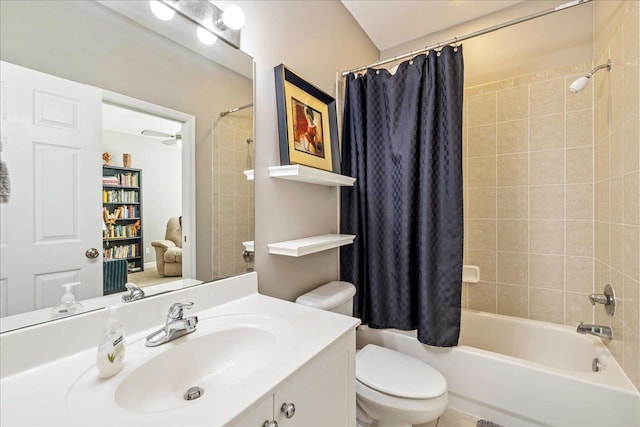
[333, 296]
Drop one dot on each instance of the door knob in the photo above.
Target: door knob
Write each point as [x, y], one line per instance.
[92, 253]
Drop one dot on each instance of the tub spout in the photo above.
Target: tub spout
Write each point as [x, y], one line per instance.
[597, 330]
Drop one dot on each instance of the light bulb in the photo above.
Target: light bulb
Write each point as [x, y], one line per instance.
[205, 36]
[161, 10]
[579, 84]
[233, 17]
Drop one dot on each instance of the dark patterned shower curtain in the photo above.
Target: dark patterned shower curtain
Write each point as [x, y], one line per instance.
[402, 141]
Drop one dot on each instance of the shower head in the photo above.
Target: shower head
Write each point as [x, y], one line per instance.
[580, 83]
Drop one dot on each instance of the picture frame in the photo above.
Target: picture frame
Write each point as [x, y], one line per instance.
[307, 123]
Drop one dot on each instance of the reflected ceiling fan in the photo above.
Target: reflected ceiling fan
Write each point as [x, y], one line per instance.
[172, 139]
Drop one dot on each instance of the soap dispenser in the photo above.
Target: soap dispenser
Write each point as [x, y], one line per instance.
[68, 304]
[110, 357]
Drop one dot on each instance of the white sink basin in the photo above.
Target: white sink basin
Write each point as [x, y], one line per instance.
[213, 362]
[220, 354]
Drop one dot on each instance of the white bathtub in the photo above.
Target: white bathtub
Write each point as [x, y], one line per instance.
[519, 372]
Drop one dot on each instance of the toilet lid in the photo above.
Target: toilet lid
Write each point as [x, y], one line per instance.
[397, 374]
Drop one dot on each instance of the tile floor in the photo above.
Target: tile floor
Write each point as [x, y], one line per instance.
[453, 418]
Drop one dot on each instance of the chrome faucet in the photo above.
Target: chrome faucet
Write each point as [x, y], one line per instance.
[597, 330]
[175, 326]
[135, 293]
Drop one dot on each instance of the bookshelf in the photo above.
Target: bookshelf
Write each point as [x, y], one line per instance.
[122, 214]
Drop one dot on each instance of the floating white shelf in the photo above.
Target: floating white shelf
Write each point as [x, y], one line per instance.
[310, 245]
[310, 175]
[249, 246]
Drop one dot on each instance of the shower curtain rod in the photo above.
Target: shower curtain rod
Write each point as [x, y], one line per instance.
[233, 110]
[471, 35]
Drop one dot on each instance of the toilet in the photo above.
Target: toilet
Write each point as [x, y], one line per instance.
[392, 388]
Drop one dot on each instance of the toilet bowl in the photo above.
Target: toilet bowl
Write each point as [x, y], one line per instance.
[398, 390]
[392, 388]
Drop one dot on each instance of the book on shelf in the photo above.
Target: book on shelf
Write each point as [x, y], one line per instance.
[133, 268]
[123, 231]
[122, 251]
[120, 196]
[110, 180]
[129, 179]
[123, 179]
[124, 212]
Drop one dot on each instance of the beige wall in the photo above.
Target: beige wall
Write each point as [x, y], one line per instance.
[617, 201]
[316, 39]
[529, 196]
[552, 41]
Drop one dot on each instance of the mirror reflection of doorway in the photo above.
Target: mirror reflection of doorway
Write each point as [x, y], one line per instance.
[142, 230]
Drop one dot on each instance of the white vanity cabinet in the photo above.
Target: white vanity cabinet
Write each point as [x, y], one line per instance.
[322, 393]
[294, 354]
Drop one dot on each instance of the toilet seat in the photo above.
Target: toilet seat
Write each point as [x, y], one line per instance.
[398, 410]
[397, 374]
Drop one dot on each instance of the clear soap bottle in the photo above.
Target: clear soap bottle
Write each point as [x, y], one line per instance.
[110, 357]
[68, 304]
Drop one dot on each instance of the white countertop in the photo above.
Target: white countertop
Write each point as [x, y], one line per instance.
[43, 395]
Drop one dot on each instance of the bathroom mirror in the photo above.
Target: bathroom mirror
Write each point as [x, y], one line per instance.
[146, 65]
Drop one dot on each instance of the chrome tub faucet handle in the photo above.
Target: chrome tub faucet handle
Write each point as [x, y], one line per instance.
[608, 299]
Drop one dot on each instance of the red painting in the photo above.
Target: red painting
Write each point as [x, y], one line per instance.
[307, 129]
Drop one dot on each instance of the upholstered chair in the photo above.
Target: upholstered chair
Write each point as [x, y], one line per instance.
[169, 251]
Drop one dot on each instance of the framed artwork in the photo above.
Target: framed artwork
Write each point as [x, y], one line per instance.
[307, 124]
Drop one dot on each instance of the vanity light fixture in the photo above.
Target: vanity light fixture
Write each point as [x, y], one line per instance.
[212, 22]
[233, 17]
[204, 33]
[161, 10]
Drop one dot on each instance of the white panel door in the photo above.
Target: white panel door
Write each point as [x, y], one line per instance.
[52, 139]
